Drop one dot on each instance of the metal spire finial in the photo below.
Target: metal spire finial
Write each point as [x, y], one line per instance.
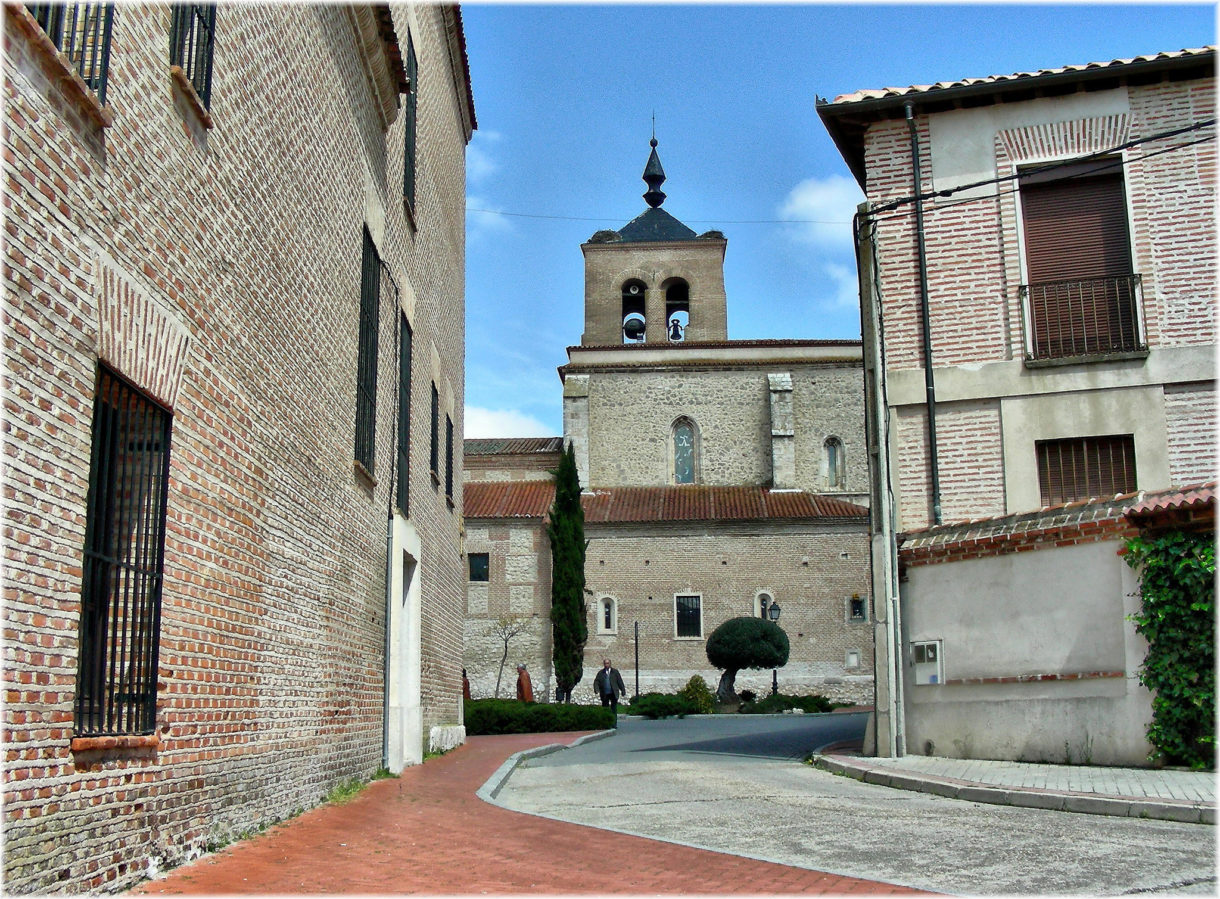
[654, 175]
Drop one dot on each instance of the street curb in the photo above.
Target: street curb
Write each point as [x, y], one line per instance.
[492, 786]
[1051, 800]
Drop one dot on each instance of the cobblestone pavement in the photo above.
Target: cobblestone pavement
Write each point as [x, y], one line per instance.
[428, 832]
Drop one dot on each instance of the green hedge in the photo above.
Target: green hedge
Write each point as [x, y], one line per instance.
[509, 716]
[662, 705]
[770, 705]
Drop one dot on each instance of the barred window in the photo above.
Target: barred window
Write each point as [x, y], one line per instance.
[191, 37]
[366, 363]
[435, 452]
[1085, 467]
[410, 116]
[116, 689]
[81, 31]
[449, 458]
[404, 415]
[688, 616]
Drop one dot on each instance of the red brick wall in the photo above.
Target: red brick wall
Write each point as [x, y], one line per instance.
[234, 260]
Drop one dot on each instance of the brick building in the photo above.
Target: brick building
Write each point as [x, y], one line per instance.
[234, 269]
[1038, 271]
[720, 477]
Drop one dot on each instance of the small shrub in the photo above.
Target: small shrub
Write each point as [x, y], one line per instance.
[770, 705]
[662, 705]
[508, 716]
[747, 695]
[699, 695]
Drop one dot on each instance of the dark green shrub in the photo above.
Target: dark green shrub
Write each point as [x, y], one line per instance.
[699, 695]
[747, 695]
[1177, 572]
[662, 705]
[745, 642]
[771, 705]
[569, 628]
[508, 716]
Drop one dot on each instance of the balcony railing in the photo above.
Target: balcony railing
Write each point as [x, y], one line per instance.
[1090, 317]
[81, 31]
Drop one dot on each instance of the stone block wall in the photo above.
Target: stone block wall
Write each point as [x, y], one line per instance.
[810, 570]
[219, 271]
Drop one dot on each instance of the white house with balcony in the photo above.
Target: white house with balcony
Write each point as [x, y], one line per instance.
[1037, 270]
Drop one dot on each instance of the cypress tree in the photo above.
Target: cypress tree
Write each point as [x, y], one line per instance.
[569, 629]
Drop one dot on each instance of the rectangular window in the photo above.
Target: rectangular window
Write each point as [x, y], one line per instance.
[402, 493]
[856, 609]
[449, 459]
[1085, 467]
[81, 31]
[366, 363]
[116, 687]
[480, 569]
[191, 35]
[434, 458]
[409, 114]
[688, 617]
[1082, 295]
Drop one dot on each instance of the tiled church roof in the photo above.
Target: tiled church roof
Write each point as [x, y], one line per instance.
[495, 446]
[620, 505]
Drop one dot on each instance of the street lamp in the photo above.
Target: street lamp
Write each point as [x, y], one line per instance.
[773, 611]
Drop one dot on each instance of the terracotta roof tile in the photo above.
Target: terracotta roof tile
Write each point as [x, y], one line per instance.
[507, 499]
[888, 92]
[622, 505]
[1195, 497]
[495, 446]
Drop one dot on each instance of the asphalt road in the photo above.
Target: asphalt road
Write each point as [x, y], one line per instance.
[737, 785]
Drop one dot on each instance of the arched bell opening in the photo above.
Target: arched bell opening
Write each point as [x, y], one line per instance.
[677, 309]
[634, 316]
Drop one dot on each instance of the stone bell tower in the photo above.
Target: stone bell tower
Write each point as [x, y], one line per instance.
[654, 280]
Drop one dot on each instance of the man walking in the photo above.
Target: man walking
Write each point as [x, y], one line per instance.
[609, 686]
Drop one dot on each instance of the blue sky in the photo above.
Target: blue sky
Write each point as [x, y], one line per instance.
[565, 96]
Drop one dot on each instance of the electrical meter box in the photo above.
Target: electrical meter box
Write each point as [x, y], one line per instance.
[927, 658]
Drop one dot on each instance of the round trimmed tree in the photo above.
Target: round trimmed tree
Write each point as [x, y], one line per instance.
[745, 642]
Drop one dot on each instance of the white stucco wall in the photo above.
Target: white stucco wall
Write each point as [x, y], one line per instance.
[1057, 611]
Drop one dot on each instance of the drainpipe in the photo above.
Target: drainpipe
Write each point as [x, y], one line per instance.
[929, 380]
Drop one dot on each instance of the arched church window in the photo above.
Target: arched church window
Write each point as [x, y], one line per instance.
[607, 615]
[634, 321]
[835, 474]
[684, 451]
[677, 309]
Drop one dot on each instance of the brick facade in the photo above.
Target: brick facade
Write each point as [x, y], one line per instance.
[1057, 596]
[214, 261]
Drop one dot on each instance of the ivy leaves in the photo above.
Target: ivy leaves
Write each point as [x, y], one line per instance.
[1177, 573]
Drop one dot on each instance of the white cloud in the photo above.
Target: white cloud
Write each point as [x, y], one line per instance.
[846, 286]
[482, 218]
[480, 161]
[502, 423]
[821, 209]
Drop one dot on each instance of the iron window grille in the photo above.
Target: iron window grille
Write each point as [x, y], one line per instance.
[435, 452]
[402, 491]
[449, 458]
[689, 621]
[191, 39]
[116, 691]
[1083, 317]
[1085, 467]
[81, 31]
[410, 116]
[366, 362]
[480, 570]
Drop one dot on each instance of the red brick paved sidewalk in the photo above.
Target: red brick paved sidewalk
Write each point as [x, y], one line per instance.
[427, 832]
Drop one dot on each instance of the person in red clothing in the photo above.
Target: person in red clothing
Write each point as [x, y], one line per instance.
[525, 689]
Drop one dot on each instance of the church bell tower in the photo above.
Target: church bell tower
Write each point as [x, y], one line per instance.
[654, 280]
